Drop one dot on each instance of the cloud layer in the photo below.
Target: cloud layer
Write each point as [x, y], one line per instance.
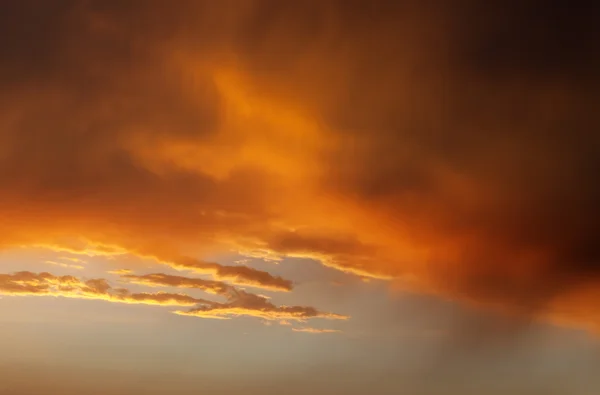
[454, 147]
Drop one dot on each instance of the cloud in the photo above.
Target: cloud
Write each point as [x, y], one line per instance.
[315, 330]
[65, 265]
[454, 146]
[238, 302]
[120, 272]
[165, 280]
[73, 259]
[241, 303]
[46, 284]
[82, 247]
[239, 274]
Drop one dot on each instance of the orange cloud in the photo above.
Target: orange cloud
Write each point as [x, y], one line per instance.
[391, 141]
[86, 247]
[239, 274]
[73, 259]
[165, 280]
[46, 284]
[120, 272]
[65, 265]
[315, 330]
[241, 303]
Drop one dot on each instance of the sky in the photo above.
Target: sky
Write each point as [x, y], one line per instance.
[330, 197]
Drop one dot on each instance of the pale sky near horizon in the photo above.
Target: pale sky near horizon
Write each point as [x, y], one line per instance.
[396, 342]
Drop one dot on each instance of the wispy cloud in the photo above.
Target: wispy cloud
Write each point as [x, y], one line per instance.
[165, 280]
[315, 330]
[120, 272]
[84, 247]
[65, 265]
[241, 303]
[239, 274]
[238, 303]
[73, 259]
[46, 284]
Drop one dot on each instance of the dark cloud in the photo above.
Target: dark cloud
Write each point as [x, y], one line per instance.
[452, 141]
[539, 39]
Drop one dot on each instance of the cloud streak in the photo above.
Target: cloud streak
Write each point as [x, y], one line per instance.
[239, 274]
[46, 284]
[65, 265]
[165, 280]
[315, 330]
[241, 303]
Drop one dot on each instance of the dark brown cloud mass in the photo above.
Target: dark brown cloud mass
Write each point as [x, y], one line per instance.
[452, 143]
